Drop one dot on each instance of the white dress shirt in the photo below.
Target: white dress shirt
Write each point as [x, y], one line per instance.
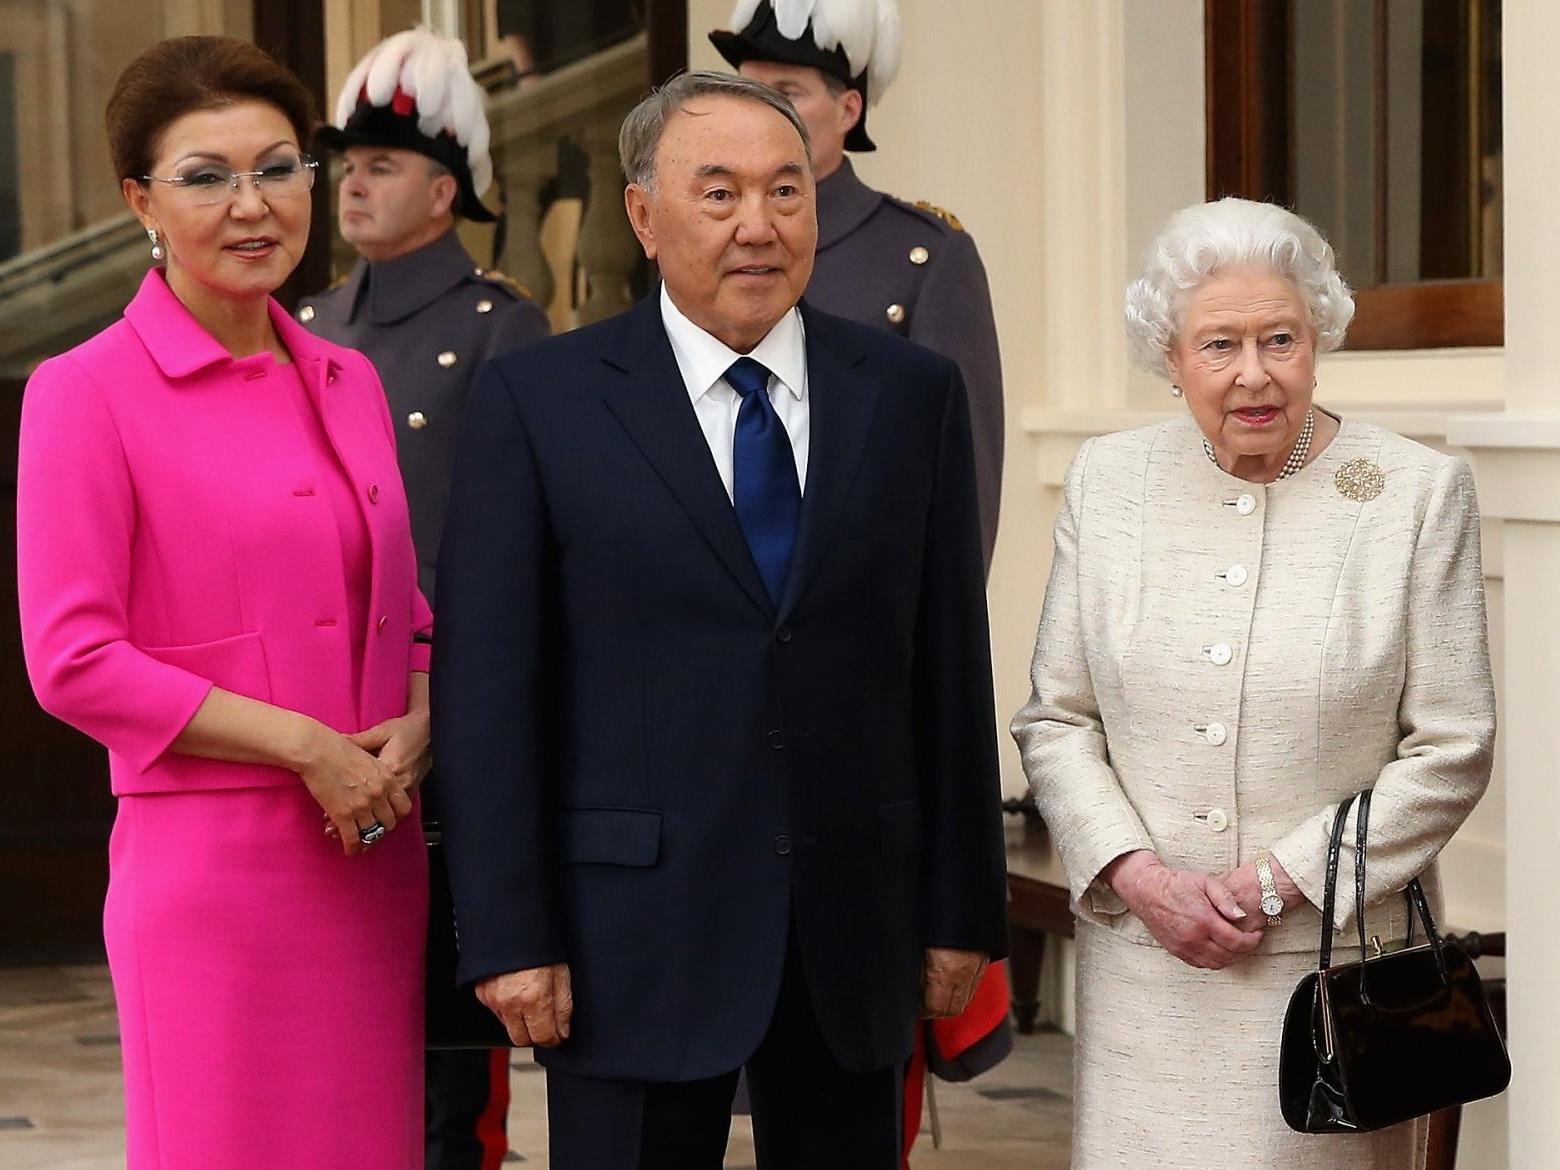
[703, 360]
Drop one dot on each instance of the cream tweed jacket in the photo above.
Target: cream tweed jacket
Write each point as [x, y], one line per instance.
[1220, 662]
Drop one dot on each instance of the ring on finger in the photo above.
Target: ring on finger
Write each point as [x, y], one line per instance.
[372, 834]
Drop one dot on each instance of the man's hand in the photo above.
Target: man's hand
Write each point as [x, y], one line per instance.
[535, 1005]
[948, 979]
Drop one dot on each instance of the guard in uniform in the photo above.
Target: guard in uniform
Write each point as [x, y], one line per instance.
[910, 268]
[410, 123]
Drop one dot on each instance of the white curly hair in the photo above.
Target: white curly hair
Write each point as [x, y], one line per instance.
[1231, 233]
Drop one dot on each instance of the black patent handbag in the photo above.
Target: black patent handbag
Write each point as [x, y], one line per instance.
[1393, 1036]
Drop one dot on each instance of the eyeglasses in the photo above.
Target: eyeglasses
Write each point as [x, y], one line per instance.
[208, 184]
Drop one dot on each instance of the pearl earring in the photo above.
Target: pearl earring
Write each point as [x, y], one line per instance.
[1175, 392]
[157, 248]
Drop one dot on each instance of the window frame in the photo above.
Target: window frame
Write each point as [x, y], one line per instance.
[1249, 153]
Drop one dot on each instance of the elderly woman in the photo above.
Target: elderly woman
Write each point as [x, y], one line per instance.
[1255, 610]
[217, 583]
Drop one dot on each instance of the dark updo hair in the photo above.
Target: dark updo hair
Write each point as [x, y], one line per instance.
[185, 74]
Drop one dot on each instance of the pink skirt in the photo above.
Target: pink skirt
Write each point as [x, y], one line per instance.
[269, 987]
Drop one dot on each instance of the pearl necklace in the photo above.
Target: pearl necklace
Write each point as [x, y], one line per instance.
[1297, 456]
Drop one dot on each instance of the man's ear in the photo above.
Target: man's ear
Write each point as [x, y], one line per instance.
[851, 106]
[636, 201]
[445, 192]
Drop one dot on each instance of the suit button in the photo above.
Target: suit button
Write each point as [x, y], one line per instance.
[373, 493]
[777, 740]
[417, 420]
[1245, 503]
[1236, 576]
[1218, 820]
[1220, 654]
[306, 314]
[895, 313]
[919, 255]
[783, 845]
[484, 306]
[384, 620]
[448, 358]
[783, 634]
[1214, 733]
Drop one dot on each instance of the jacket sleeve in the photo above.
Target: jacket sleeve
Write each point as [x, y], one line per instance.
[953, 317]
[494, 670]
[1447, 715]
[965, 871]
[75, 526]
[1061, 736]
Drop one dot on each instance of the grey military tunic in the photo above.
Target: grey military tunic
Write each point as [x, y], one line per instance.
[912, 269]
[427, 321]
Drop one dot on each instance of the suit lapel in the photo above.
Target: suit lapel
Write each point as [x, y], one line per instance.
[842, 402]
[652, 405]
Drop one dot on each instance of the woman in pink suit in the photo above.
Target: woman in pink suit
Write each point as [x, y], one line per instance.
[217, 583]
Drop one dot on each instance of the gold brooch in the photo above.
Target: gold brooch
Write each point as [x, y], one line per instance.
[1360, 481]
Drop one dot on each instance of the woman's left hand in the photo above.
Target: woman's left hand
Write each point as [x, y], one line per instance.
[1246, 887]
[403, 744]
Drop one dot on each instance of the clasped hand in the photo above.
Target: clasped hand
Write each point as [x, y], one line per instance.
[367, 777]
[1195, 916]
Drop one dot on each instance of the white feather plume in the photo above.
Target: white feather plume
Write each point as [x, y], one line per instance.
[868, 31]
[433, 71]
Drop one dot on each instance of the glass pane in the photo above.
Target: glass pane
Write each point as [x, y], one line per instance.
[560, 76]
[58, 63]
[1397, 135]
[71, 254]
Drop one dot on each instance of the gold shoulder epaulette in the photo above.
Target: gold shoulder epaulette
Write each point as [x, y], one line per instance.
[941, 213]
[508, 282]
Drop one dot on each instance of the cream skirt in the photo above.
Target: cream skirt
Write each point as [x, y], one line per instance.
[1177, 1069]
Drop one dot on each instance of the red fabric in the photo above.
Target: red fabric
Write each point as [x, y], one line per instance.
[403, 103]
[493, 1125]
[987, 1010]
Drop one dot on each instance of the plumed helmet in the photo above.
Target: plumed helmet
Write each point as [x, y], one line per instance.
[414, 91]
[857, 41]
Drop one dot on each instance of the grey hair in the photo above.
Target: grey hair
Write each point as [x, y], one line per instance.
[640, 135]
[1207, 238]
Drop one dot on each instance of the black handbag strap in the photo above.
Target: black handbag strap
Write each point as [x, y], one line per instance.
[1330, 895]
[1413, 894]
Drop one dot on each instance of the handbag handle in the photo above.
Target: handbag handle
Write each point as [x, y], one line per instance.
[1330, 896]
[1413, 893]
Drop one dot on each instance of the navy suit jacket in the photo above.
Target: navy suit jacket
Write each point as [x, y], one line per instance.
[651, 771]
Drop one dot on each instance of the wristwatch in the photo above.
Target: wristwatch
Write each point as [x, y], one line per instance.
[1272, 904]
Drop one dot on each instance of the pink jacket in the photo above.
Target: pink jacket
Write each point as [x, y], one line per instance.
[169, 540]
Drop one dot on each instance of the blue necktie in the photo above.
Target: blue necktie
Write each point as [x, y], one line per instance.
[765, 491]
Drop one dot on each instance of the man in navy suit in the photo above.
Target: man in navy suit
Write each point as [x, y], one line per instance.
[712, 689]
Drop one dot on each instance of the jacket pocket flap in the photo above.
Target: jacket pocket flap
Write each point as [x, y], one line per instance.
[235, 664]
[611, 836]
[899, 828]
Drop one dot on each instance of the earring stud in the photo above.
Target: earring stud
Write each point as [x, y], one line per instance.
[1176, 392]
[157, 249]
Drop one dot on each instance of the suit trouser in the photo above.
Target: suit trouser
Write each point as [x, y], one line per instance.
[466, 1108]
[809, 1113]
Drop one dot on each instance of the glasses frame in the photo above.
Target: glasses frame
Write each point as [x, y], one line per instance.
[309, 164]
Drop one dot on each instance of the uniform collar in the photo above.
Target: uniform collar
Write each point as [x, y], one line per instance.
[408, 284]
[181, 347]
[844, 203]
